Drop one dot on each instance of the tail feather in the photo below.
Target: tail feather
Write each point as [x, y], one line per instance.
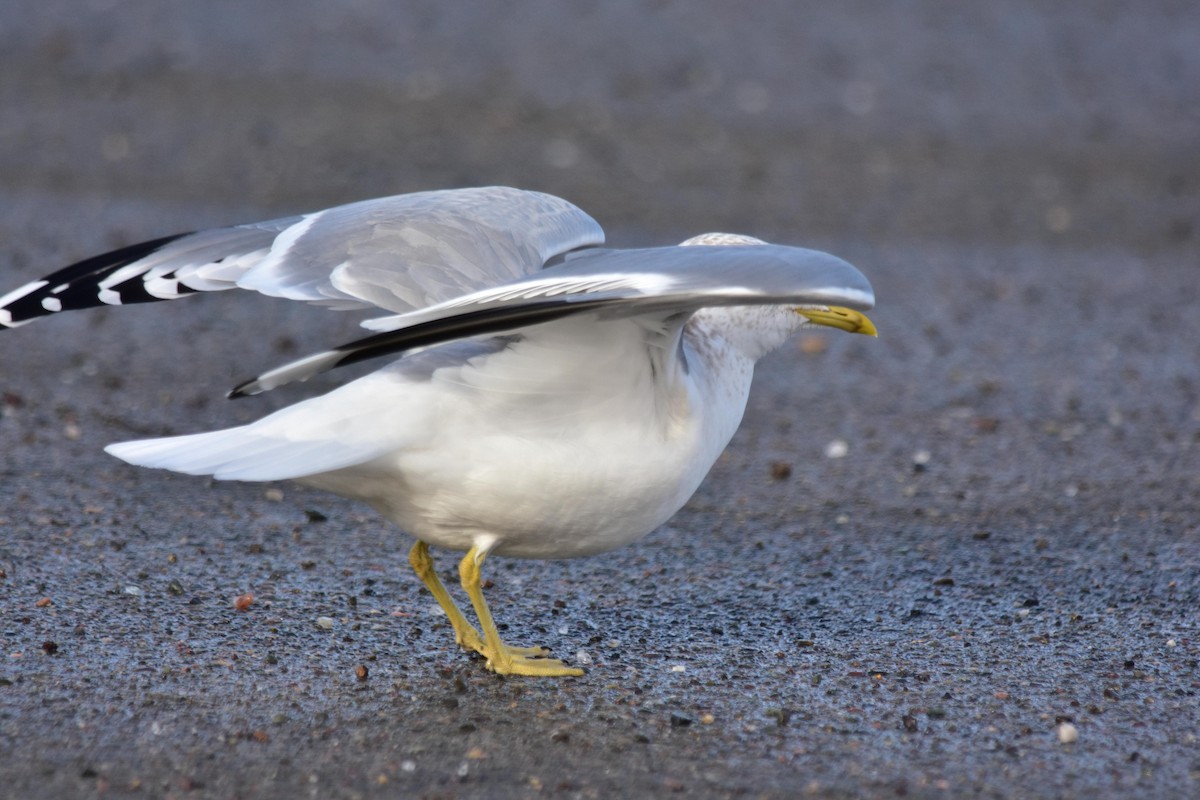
[240, 454]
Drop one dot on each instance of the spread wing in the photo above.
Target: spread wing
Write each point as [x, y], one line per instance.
[396, 253]
[611, 283]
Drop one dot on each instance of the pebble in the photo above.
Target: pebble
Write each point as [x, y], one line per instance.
[325, 623]
[133, 590]
[1067, 733]
[838, 448]
[813, 344]
[274, 495]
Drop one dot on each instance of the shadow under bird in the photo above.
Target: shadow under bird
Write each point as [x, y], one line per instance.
[547, 397]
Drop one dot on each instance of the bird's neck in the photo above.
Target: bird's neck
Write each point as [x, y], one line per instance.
[753, 331]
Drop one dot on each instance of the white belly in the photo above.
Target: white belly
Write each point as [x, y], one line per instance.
[538, 497]
[556, 477]
[565, 445]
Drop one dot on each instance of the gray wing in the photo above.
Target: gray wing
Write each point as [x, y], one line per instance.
[610, 283]
[397, 253]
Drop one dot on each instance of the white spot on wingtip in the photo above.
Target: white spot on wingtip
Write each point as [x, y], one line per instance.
[17, 294]
[52, 304]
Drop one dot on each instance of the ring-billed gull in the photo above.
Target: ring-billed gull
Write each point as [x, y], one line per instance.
[552, 399]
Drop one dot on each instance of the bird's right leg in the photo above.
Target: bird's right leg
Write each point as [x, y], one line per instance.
[502, 658]
[464, 632]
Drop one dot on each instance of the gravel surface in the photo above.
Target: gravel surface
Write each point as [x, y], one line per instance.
[962, 560]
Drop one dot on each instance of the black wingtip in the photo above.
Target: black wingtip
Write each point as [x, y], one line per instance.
[76, 286]
[243, 389]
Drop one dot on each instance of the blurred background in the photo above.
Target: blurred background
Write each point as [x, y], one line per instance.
[1013, 512]
[1010, 122]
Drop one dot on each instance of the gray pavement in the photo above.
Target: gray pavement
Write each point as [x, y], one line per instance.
[1020, 184]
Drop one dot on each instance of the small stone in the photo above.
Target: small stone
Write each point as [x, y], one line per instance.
[49, 647]
[408, 766]
[838, 448]
[274, 495]
[781, 470]
[325, 623]
[583, 657]
[133, 591]
[45, 601]
[680, 720]
[175, 588]
[243, 601]
[361, 672]
[813, 344]
[1067, 733]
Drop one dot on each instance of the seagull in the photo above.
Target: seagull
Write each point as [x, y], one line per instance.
[546, 397]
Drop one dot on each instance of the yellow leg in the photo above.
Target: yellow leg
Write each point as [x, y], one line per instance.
[500, 657]
[464, 632]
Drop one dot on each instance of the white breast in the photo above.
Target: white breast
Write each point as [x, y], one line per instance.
[548, 471]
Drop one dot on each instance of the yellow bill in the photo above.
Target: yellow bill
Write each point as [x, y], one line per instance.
[846, 319]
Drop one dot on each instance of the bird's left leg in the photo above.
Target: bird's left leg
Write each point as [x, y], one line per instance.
[500, 657]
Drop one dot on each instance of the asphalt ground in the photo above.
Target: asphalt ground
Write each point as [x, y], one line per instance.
[1005, 557]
